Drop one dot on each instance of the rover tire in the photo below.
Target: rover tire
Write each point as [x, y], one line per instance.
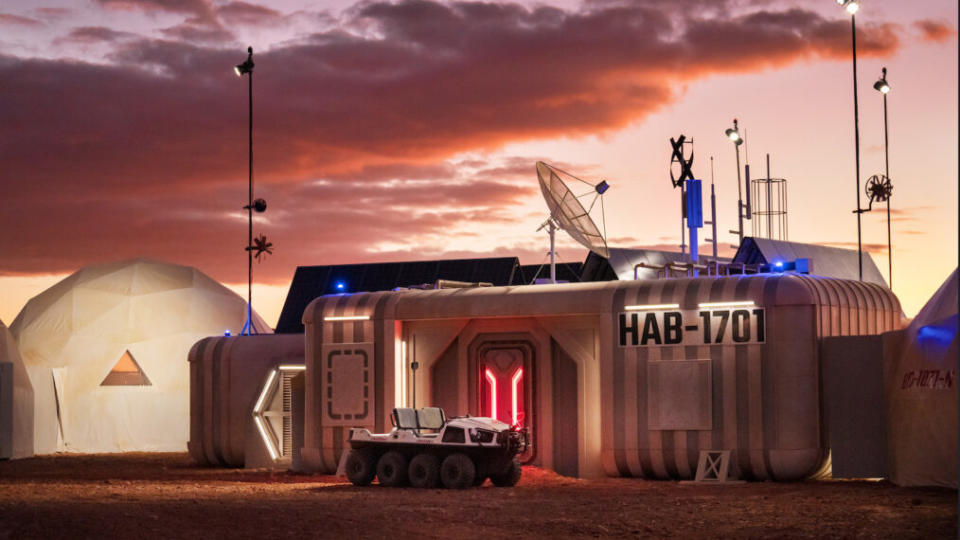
[360, 468]
[392, 470]
[424, 471]
[510, 476]
[457, 471]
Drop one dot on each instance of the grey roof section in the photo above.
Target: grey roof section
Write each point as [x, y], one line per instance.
[826, 260]
[622, 261]
[569, 272]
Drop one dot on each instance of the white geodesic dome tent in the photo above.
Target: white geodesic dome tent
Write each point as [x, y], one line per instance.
[106, 351]
[923, 393]
[16, 401]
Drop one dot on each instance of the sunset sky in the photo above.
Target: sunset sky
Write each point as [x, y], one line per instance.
[388, 131]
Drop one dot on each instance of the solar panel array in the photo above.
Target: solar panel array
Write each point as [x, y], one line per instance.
[569, 272]
[310, 282]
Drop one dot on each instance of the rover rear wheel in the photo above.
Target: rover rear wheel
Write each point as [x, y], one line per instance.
[360, 469]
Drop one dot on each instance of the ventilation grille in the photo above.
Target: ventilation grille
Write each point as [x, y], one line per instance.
[286, 448]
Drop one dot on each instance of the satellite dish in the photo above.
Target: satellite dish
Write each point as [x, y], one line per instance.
[567, 212]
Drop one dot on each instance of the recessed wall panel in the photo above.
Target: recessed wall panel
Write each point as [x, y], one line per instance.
[680, 395]
[348, 375]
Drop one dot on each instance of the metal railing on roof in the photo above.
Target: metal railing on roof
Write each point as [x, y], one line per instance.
[686, 269]
[448, 284]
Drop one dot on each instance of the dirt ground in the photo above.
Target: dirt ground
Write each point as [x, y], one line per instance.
[165, 495]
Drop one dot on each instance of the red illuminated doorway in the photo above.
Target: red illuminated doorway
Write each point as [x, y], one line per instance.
[503, 386]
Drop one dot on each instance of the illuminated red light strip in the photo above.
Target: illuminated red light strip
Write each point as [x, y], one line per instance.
[515, 384]
[493, 392]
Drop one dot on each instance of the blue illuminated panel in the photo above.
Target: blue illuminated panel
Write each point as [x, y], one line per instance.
[694, 204]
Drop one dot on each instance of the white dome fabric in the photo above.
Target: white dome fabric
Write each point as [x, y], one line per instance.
[135, 322]
[942, 305]
[16, 410]
[923, 393]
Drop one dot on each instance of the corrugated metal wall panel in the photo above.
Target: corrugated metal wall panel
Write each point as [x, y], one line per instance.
[324, 445]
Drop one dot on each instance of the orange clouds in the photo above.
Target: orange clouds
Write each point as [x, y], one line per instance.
[17, 20]
[935, 31]
[354, 126]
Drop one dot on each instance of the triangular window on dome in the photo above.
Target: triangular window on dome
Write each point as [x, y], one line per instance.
[126, 372]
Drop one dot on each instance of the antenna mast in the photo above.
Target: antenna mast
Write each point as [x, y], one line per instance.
[713, 214]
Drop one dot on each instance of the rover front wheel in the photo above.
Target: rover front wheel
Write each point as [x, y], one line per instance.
[510, 476]
[457, 471]
[424, 471]
[360, 470]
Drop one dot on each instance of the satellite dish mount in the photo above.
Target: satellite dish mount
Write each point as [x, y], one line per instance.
[568, 213]
[551, 227]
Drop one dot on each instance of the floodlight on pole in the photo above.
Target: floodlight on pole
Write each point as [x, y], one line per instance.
[246, 68]
[734, 135]
[851, 7]
[881, 85]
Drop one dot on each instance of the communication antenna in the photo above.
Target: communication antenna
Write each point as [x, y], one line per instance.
[569, 214]
[746, 148]
[713, 213]
[746, 174]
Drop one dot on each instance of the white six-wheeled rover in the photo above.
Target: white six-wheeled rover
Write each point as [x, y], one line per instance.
[425, 449]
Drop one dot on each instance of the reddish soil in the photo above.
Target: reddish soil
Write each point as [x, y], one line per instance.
[165, 495]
